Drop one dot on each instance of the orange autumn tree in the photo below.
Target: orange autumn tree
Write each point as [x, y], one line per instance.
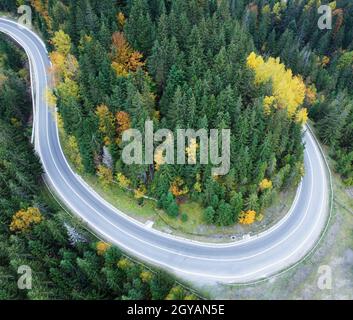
[125, 59]
[41, 6]
[123, 122]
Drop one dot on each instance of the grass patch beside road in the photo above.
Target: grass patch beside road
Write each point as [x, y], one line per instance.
[123, 200]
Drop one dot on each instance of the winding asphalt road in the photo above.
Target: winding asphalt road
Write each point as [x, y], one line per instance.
[243, 261]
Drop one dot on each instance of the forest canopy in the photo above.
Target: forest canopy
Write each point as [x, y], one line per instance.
[260, 68]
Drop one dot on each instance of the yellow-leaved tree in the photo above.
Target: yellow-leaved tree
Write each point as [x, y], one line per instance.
[68, 90]
[105, 176]
[102, 247]
[247, 217]
[50, 98]
[74, 153]
[176, 293]
[288, 90]
[140, 192]
[198, 184]
[61, 42]
[65, 65]
[121, 20]
[265, 184]
[179, 293]
[24, 219]
[269, 102]
[123, 181]
[302, 116]
[146, 276]
[124, 264]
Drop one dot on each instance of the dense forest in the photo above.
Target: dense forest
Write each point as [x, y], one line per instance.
[259, 67]
[66, 261]
[202, 64]
[181, 64]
